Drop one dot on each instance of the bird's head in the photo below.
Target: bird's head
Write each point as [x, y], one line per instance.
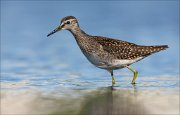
[67, 23]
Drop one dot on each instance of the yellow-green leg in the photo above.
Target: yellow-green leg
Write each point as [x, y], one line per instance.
[135, 74]
[113, 79]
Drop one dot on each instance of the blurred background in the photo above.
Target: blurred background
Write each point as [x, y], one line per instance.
[30, 60]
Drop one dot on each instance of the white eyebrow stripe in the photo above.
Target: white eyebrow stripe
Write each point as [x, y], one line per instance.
[70, 20]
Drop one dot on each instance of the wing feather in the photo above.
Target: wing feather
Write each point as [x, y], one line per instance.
[126, 50]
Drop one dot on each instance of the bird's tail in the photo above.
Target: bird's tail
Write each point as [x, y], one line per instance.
[159, 48]
[148, 50]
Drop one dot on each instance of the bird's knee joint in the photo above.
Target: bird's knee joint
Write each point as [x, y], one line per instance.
[136, 72]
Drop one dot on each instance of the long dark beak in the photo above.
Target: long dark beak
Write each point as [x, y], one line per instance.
[55, 30]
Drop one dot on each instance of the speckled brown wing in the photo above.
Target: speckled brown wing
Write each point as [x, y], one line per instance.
[126, 50]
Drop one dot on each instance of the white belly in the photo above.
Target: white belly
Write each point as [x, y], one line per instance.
[125, 62]
[118, 64]
[109, 64]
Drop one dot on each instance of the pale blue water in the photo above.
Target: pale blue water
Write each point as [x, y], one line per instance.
[31, 60]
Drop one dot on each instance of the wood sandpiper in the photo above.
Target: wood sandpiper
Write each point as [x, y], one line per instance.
[107, 53]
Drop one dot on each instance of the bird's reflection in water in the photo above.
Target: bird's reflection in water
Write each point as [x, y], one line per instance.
[102, 101]
[112, 100]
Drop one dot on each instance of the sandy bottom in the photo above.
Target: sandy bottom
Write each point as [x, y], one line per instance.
[108, 100]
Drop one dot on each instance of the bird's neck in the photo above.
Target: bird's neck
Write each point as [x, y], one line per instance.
[82, 39]
[79, 34]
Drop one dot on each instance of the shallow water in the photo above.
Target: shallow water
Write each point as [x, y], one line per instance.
[73, 94]
[105, 100]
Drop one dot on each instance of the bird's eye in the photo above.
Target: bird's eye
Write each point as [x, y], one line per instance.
[68, 22]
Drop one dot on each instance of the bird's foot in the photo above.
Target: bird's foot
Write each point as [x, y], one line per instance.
[133, 82]
[113, 82]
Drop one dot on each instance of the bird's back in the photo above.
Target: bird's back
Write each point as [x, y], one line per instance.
[125, 50]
